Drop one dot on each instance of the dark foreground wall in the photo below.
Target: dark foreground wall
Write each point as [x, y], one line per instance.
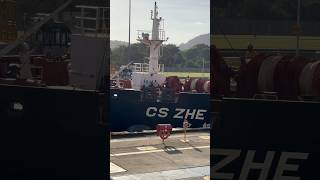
[266, 139]
[51, 134]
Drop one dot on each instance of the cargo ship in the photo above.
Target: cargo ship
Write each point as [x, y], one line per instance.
[142, 99]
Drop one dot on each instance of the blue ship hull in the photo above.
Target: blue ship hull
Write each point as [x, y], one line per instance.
[129, 112]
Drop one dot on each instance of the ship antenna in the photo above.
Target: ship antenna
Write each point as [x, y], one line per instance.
[129, 31]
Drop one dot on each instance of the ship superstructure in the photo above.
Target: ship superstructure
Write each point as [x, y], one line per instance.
[152, 77]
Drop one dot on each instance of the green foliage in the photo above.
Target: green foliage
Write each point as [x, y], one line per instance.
[169, 56]
[138, 53]
[196, 55]
[172, 56]
[120, 56]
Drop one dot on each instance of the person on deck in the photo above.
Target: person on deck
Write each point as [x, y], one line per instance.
[250, 52]
[220, 74]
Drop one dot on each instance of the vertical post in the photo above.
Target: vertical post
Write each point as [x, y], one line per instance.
[212, 59]
[24, 22]
[202, 65]
[212, 15]
[129, 31]
[185, 126]
[185, 134]
[97, 21]
[298, 25]
[81, 20]
[103, 22]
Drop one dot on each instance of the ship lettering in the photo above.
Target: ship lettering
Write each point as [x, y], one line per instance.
[179, 112]
[192, 114]
[250, 164]
[163, 112]
[200, 114]
[149, 113]
[205, 125]
[153, 111]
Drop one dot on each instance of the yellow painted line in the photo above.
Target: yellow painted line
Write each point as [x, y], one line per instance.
[146, 148]
[115, 168]
[159, 150]
[182, 140]
[204, 137]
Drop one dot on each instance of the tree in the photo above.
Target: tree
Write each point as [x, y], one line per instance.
[169, 55]
[138, 53]
[196, 55]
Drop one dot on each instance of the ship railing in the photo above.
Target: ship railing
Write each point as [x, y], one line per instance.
[147, 34]
[144, 67]
[116, 74]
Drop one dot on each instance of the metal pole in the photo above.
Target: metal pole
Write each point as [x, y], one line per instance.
[202, 65]
[185, 135]
[81, 21]
[129, 31]
[24, 22]
[298, 25]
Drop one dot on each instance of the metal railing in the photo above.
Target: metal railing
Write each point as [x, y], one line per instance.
[142, 33]
[144, 67]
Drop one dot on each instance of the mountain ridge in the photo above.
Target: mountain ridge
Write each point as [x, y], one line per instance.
[201, 39]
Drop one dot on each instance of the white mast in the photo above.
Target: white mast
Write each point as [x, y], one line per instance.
[155, 42]
[156, 23]
[152, 77]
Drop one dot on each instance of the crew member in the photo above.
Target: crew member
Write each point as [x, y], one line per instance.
[221, 74]
[250, 52]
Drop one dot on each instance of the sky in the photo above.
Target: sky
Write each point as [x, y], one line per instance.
[183, 19]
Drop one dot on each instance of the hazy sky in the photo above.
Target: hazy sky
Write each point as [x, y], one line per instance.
[183, 19]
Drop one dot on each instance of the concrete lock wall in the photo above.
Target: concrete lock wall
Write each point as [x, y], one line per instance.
[52, 134]
[86, 66]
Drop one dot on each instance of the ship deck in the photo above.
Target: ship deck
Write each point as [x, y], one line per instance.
[148, 158]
